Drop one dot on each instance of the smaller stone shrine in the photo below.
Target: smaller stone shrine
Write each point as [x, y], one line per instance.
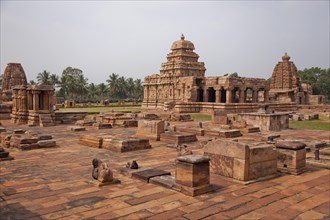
[70, 103]
[291, 157]
[240, 161]
[14, 75]
[33, 105]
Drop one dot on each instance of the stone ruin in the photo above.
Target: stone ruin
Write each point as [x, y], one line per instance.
[14, 75]
[286, 85]
[33, 105]
[25, 140]
[241, 161]
[102, 174]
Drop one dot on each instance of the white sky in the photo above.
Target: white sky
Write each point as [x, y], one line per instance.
[132, 38]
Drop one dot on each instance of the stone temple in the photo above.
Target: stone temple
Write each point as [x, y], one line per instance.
[287, 87]
[182, 86]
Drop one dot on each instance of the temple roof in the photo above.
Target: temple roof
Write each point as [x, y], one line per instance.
[182, 44]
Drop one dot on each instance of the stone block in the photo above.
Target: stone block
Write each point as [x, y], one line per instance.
[177, 138]
[192, 171]
[150, 129]
[91, 140]
[227, 148]
[239, 161]
[149, 173]
[47, 143]
[262, 153]
[2, 129]
[196, 131]
[192, 175]
[125, 144]
[76, 128]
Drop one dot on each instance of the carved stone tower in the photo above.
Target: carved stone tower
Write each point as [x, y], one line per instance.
[14, 75]
[182, 61]
[285, 75]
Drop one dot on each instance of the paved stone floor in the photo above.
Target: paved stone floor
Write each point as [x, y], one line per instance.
[55, 183]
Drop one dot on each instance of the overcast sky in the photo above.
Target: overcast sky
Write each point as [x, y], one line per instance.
[133, 38]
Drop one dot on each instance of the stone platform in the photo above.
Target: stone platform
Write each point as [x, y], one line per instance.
[177, 138]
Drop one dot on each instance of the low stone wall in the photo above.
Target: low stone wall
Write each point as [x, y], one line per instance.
[69, 117]
[150, 129]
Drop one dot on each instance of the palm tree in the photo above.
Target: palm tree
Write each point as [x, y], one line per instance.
[32, 82]
[102, 89]
[43, 78]
[54, 79]
[138, 89]
[113, 84]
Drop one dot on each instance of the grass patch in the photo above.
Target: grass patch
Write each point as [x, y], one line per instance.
[313, 125]
[201, 117]
[101, 109]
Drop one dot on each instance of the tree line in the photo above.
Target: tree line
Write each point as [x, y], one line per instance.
[72, 84]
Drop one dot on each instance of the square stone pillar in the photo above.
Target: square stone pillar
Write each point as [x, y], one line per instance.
[228, 96]
[192, 175]
[254, 96]
[291, 157]
[266, 96]
[241, 96]
[217, 95]
[206, 95]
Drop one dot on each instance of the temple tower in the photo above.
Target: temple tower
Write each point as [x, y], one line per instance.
[182, 60]
[285, 76]
[14, 75]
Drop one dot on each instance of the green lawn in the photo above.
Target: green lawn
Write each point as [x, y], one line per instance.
[323, 125]
[201, 117]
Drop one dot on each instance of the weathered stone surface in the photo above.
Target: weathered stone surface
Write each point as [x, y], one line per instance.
[293, 145]
[240, 161]
[150, 129]
[266, 122]
[2, 129]
[149, 173]
[196, 131]
[47, 143]
[177, 138]
[76, 128]
[91, 140]
[192, 171]
[118, 144]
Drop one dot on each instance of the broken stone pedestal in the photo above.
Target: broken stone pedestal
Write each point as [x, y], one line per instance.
[192, 175]
[291, 157]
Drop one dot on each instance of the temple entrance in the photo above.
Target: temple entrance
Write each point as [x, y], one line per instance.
[222, 95]
[211, 94]
[200, 95]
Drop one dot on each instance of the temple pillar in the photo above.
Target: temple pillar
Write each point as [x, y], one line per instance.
[228, 96]
[255, 96]
[217, 95]
[241, 96]
[35, 100]
[266, 96]
[206, 95]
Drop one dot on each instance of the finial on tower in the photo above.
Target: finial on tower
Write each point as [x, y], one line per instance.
[286, 57]
[182, 37]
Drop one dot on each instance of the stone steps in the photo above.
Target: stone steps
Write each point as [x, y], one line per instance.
[46, 120]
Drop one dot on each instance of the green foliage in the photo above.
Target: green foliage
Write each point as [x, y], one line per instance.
[318, 78]
[235, 74]
[124, 88]
[73, 84]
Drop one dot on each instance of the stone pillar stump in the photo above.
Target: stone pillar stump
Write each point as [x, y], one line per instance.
[291, 157]
[192, 175]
